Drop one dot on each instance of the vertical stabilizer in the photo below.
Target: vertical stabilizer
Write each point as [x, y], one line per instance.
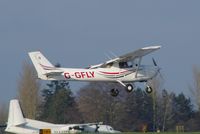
[41, 64]
[15, 116]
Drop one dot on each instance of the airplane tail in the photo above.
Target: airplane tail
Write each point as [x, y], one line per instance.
[41, 64]
[15, 116]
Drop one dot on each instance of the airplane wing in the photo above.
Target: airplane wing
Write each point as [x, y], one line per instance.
[87, 124]
[138, 53]
[82, 126]
[130, 56]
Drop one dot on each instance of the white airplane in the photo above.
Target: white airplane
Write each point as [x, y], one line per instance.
[125, 69]
[19, 125]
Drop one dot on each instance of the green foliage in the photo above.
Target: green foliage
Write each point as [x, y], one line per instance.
[58, 103]
[128, 112]
[136, 110]
[183, 108]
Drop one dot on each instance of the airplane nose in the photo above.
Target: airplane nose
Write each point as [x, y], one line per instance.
[154, 71]
[157, 70]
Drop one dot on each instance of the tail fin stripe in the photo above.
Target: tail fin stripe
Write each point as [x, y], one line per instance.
[47, 67]
[41, 64]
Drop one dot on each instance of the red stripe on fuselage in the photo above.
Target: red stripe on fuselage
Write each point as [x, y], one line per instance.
[114, 72]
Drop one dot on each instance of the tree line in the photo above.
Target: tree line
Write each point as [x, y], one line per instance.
[136, 111]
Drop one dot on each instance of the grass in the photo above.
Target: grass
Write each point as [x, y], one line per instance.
[155, 133]
[162, 133]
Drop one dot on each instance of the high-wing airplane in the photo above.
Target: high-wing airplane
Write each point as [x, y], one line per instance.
[125, 69]
[19, 125]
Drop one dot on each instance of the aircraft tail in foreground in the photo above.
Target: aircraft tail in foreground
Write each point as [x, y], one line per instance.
[18, 124]
[15, 116]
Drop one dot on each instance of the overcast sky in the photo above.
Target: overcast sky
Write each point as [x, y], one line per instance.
[80, 33]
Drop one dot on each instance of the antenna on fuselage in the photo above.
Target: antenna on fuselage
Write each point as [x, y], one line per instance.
[111, 55]
[107, 56]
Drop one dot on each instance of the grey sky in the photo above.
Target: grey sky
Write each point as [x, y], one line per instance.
[79, 33]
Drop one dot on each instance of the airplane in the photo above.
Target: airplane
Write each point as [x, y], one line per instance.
[125, 69]
[19, 125]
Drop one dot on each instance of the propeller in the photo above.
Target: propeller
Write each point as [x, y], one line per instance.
[97, 127]
[155, 64]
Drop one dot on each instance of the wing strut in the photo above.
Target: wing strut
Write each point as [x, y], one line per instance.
[120, 82]
[139, 62]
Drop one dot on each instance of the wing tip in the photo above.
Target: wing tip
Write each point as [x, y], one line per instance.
[152, 47]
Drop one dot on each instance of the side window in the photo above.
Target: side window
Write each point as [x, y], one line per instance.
[130, 64]
[109, 65]
[125, 64]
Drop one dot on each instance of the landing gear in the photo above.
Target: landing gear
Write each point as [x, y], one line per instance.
[114, 92]
[148, 89]
[129, 88]
[96, 129]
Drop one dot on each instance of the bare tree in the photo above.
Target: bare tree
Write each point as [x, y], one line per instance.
[3, 117]
[96, 104]
[195, 89]
[28, 91]
[3, 113]
[156, 83]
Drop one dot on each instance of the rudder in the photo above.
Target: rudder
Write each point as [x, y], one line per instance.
[15, 116]
[41, 64]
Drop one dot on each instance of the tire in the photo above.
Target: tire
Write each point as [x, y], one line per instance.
[114, 92]
[148, 89]
[129, 88]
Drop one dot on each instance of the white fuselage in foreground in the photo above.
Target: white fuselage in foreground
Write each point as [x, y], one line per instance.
[34, 127]
[19, 125]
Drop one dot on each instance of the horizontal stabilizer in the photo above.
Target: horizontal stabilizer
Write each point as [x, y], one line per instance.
[53, 74]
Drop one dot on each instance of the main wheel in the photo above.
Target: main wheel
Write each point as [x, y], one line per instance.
[114, 92]
[149, 89]
[129, 88]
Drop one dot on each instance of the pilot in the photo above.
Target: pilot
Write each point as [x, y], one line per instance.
[123, 65]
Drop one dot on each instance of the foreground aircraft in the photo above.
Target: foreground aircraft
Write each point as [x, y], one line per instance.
[125, 69]
[19, 125]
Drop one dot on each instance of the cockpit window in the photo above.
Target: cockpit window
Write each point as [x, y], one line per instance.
[125, 64]
[109, 65]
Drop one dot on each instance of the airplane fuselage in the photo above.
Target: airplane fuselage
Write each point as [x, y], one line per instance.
[144, 73]
[39, 127]
[123, 69]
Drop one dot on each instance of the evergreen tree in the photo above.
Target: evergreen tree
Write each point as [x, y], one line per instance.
[139, 111]
[59, 104]
[183, 109]
[96, 104]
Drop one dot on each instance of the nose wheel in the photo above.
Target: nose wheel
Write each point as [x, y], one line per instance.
[148, 89]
